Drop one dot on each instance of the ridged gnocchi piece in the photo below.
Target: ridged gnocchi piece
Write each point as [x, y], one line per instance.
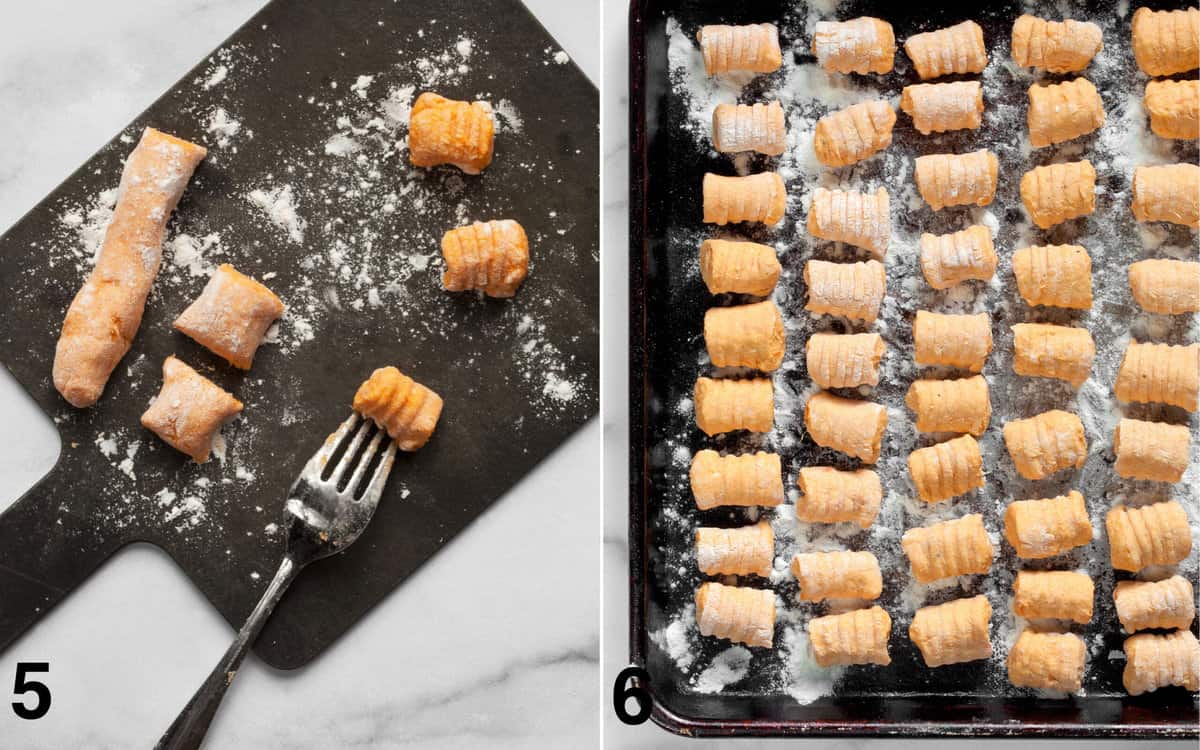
[1166, 41]
[1167, 287]
[948, 549]
[837, 575]
[750, 479]
[856, 637]
[954, 49]
[1056, 193]
[1038, 529]
[855, 133]
[231, 316]
[1055, 46]
[1047, 661]
[946, 470]
[189, 410]
[1053, 594]
[739, 267]
[1043, 350]
[445, 131]
[859, 219]
[1151, 450]
[1174, 109]
[725, 405]
[861, 45]
[954, 632]
[1160, 373]
[1167, 604]
[942, 107]
[1157, 661]
[950, 259]
[757, 127]
[851, 290]
[1054, 275]
[753, 48]
[747, 550]
[745, 336]
[1156, 534]
[406, 410]
[955, 340]
[1063, 111]
[844, 360]
[951, 405]
[489, 256]
[957, 179]
[834, 496]
[847, 425]
[759, 198]
[1046, 444]
[1170, 192]
[736, 613]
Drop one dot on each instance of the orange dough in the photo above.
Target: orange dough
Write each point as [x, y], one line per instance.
[834, 496]
[739, 267]
[856, 637]
[742, 615]
[955, 49]
[848, 425]
[962, 341]
[844, 360]
[1063, 111]
[855, 133]
[1053, 594]
[231, 316]
[759, 198]
[1151, 450]
[726, 405]
[491, 256]
[1166, 604]
[861, 45]
[948, 549]
[1044, 528]
[189, 410]
[852, 290]
[1055, 46]
[1170, 193]
[753, 48]
[954, 632]
[859, 219]
[748, 550]
[950, 405]
[1156, 534]
[1166, 41]
[1160, 373]
[1050, 351]
[745, 336]
[1046, 444]
[1156, 661]
[750, 127]
[950, 259]
[946, 470]
[407, 410]
[1054, 275]
[445, 131]
[957, 179]
[837, 575]
[941, 107]
[1059, 192]
[1174, 108]
[1047, 661]
[1167, 287]
[750, 479]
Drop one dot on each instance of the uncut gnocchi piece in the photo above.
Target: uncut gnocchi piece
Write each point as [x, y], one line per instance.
[745, 336]
[749, 550]
[1156, 534]
[749, 127]
[1059, 192]
[1053, 594]
[947, 469]
[861, 45]
[1151, 450]
[231, 316]
[834, 496]
[402, 407]
[1047, 661]
[1170, 192]
[837, 575]
[1046, 444]
[1166, 604]
[859, 219]
[1055, 46]
[759, 198]
[948, 549]
[1167, 41]
[1054, 275]
[1167, 287]
[847, 425]
[1044, 528]
[189, 410]
[725, 405]
[954, 49]
[446, 131]
[962, 341]
[856, 637]
[739, 267]
[1160, 373]
[942, 107]
[844, 360]
[491, 256]
[851, 290]
[1063, 111]
[855, 133]
[1174, 108]
[750, 479]
[105, 315]
[957, 179]
[1043, 350]
[954, 632]
[735, 613]
[753, 48]
[949, 259]
[1157, 661]
[951, 405]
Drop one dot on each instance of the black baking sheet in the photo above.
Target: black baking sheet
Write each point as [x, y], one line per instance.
[363, 288]
[669, 157]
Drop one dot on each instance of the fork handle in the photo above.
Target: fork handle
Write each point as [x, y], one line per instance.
[189, 728]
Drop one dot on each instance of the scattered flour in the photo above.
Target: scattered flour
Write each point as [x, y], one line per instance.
[279, 204]
[726, 668]
[223, 127]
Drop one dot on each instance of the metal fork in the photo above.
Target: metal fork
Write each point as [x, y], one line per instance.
[322, 520]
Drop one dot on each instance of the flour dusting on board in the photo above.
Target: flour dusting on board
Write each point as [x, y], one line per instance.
[1112, 238]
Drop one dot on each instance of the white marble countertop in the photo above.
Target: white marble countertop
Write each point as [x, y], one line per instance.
[445, 661]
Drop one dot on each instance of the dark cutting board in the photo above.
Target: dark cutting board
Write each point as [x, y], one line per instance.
[518, 376]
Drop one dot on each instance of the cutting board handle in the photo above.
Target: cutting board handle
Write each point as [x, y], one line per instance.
[45, 552]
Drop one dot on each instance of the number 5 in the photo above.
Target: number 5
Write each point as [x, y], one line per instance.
[22, 685]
